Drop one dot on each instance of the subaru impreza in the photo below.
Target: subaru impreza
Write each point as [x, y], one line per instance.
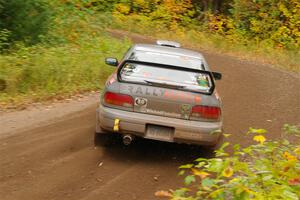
[160, 92]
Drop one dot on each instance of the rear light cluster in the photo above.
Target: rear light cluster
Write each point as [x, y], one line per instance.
[206, 112]
[117, 99]
[201, 112]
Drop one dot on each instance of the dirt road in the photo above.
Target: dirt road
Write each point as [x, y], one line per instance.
[56, 159]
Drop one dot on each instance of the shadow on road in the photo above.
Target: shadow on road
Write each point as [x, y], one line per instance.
[143, 150]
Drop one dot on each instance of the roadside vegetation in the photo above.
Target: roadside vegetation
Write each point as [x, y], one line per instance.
[49, 48]
[39, 73]
[54, 48]
[269, 169]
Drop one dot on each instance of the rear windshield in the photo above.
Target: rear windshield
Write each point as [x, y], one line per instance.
[166, 77]
[168, 59]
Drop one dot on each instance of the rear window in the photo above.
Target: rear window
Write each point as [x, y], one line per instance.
[167, 59]
[166, 77]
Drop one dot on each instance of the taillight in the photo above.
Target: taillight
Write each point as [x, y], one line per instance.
[118, 99]
[207, 112]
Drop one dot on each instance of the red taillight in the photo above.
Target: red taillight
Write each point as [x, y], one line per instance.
[118, 99]
[207, 112]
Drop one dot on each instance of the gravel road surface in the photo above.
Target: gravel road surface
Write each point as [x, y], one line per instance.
[48, 152]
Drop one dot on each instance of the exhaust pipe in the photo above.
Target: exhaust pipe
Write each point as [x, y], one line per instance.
[127, 139]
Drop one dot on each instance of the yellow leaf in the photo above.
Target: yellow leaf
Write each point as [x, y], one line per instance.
[259, 138]
[290, 157]
[228, 172]
[199, 173]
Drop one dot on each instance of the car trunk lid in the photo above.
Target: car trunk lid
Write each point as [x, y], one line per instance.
[166, 102]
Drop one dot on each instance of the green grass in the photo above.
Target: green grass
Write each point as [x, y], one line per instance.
[40, 72]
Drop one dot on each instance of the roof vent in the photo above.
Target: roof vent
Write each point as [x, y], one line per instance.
[168, 43]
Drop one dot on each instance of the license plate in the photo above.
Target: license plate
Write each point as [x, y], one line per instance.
[160, 133]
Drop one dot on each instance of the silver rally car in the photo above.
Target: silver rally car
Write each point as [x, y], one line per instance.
[160, 92]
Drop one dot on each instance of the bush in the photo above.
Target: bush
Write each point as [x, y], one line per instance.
[25, 20]
[277, 21]
[4, 38]
[36, 73]
[267, 23]
[266, 170]
[160, 15]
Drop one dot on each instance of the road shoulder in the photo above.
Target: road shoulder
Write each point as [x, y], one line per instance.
[41, 114]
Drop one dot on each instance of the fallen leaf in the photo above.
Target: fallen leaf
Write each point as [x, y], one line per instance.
[163, 194]
[99, 179]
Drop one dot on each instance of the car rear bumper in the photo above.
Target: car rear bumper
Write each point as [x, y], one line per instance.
[185, 131]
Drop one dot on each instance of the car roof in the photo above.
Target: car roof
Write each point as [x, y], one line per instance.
[168, 50]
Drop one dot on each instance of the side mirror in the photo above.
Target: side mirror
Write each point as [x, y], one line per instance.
[217, 75]
[112, 61]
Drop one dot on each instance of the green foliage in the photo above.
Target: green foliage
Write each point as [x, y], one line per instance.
[266, 170]
[69, 57]
[265, 23]
[103, 5]
[4, 38]
[276, 21]
[26, 20]
[157, 14]
[35, 73]
[77, 21]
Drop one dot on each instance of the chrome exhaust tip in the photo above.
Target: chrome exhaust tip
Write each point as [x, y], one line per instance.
[127, 139]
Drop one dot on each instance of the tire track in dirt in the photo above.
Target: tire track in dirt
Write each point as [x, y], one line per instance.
[59, 161]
